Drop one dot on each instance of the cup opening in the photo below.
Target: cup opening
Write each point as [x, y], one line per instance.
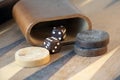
[43, 30]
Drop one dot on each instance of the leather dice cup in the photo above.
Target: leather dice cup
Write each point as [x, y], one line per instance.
[6, 10]
[36, 21]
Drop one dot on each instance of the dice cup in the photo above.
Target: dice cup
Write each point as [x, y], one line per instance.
[6, 10]
[36, 19]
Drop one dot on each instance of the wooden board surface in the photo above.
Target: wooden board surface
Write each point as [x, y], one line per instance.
[104, 14]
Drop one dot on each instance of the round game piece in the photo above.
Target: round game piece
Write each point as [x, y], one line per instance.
[32, 56]
[92, 39]
[90, 52]
[6, 9]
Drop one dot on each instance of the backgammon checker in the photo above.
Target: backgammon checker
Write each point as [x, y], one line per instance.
[91, 43]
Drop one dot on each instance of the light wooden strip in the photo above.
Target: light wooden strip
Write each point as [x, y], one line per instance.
[89, 72]
[2, 32]
[6, 27]
[85, 3]
[9, 71]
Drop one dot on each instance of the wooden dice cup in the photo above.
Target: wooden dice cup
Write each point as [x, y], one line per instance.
[36, 18]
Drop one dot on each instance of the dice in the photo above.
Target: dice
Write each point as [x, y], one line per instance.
[52, 44]
[59, 32]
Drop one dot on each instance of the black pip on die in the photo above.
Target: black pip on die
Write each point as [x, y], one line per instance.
[59, 32]
[52, 44]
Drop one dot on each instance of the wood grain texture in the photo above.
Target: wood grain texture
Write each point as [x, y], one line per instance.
[103, 18]
[91, 70]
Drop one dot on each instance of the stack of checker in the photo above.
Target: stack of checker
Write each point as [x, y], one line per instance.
[91, 43]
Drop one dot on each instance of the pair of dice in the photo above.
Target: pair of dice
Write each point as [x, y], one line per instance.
[53, 43]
